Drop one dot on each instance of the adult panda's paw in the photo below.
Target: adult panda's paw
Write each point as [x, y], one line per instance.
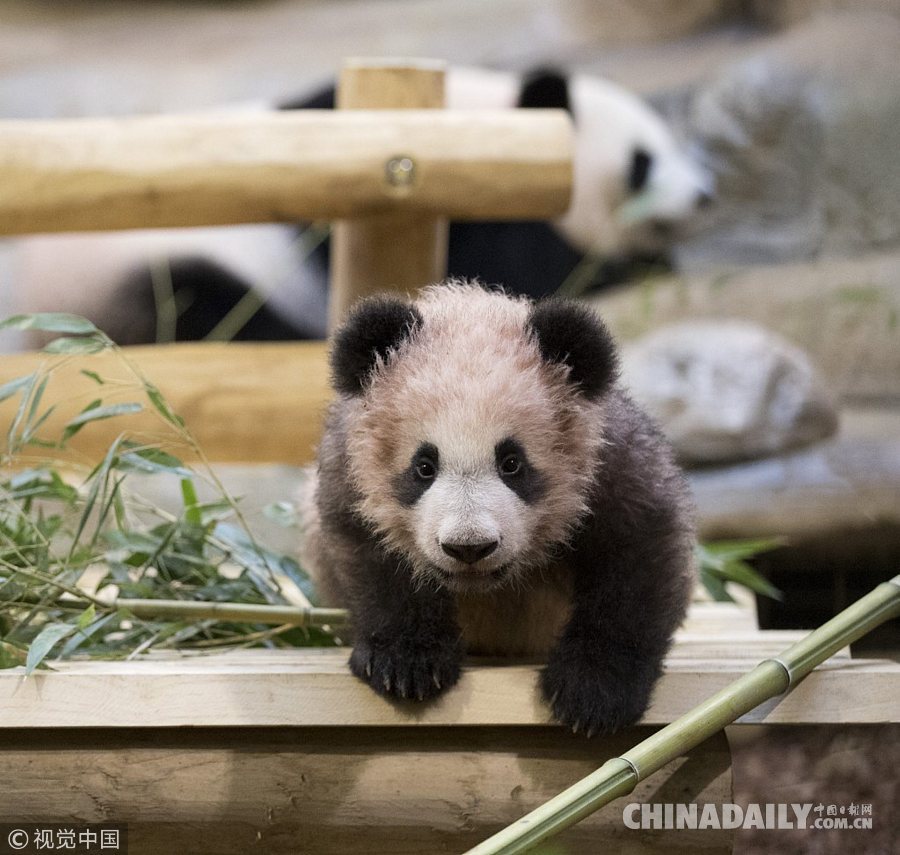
[587, 696]
[407, 669]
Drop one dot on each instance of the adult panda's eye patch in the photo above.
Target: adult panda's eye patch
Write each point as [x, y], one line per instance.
[412, 482]
[639, 171]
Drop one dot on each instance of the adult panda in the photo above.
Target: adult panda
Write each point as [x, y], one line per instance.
[634, 185]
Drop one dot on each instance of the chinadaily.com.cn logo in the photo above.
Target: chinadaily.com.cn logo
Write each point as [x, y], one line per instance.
[767, 816]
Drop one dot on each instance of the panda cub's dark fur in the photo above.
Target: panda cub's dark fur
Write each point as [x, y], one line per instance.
[485, 486]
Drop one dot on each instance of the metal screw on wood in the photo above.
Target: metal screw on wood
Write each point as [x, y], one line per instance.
[400, 171]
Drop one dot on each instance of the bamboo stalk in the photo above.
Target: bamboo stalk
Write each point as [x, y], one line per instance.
[232, 612]
[770, 678]
[198, 610]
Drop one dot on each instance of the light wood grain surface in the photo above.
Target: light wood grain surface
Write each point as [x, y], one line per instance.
[399, 251]
[242, 402]
[314, 688]
[340, 790]
[188, 170]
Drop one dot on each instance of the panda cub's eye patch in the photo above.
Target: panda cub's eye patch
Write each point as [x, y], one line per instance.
[412, 482]
[516, 472]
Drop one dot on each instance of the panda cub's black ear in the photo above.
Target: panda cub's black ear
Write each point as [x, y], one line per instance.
[373, 327]
[573, 335]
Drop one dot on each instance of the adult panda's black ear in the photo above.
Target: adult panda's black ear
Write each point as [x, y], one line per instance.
[571, 334]
[374, 327]
[545, 88]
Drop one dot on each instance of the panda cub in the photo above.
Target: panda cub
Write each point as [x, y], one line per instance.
[485, 486]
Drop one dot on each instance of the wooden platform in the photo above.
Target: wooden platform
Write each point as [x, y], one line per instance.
[285, 751]
[312, 687]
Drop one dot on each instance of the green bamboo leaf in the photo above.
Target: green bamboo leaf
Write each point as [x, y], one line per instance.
[7, 390]
[214, 511]
[69, 432]
[281, 513]
[150, 459]
[189, 496]
[84, 634]
[36, 400]
[715, 587]
[40, 484]
[132, 541]
[86, 617]
[161, 405]
[21, 410]
[744, 574]
[45, 641]
[93, 375]
[728, 550]
[50, 322]
[28, 435]
[11, 655]
[95, 413]
[97, 478]
[69, 345]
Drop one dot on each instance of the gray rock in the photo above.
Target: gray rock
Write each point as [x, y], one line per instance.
[728, 390]
[804, 139]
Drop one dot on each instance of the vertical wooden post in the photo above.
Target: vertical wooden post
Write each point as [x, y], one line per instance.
[396, 251]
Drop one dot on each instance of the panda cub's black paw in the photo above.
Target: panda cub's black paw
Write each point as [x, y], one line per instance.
[405, 670]
[585, 697]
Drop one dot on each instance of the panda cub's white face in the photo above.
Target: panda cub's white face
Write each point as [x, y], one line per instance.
[472, 519]
[470, 453]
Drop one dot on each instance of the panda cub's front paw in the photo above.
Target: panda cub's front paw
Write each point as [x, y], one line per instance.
[585, 696]
[400, 669]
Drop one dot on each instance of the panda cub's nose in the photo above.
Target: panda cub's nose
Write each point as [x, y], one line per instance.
[469, 553]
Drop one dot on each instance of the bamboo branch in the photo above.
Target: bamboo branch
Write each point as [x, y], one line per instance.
[770, 678]
[197, 610]
[232, 612]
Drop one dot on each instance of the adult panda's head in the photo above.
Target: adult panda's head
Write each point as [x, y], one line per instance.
[472, 427]
[634, 183]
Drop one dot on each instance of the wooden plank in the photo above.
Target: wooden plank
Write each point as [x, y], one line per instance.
[314, 687]
[221, 168]
[404, 250]
[716, 618]
[242, 402]
[339, 790]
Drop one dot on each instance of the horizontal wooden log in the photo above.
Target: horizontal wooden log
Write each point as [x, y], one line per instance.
[191, 170]
[241, 402]
[315, 688]
[339, 790]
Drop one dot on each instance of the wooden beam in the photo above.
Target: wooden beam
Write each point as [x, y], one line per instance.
[313, 687]
[191, 170]
[398, 791]
[401, 251]
[242, 402]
